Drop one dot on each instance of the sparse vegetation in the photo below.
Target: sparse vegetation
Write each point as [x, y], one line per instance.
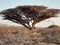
[53, 26]
[23, 36]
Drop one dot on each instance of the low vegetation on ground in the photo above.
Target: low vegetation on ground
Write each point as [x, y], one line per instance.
[22, 36]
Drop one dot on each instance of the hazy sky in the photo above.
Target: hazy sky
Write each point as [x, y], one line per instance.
[4, 4]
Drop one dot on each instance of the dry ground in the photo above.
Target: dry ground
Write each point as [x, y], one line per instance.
[22, 36]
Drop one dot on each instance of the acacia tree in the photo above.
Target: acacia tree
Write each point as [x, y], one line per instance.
[24, 14]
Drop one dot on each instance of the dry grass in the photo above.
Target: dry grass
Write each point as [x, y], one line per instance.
[22, 36]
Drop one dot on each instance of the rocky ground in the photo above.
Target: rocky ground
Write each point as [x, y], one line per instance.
[22, 36]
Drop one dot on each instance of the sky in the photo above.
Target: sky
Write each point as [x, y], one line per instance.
[4, 4]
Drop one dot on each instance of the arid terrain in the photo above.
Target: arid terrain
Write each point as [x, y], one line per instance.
[22, 36]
